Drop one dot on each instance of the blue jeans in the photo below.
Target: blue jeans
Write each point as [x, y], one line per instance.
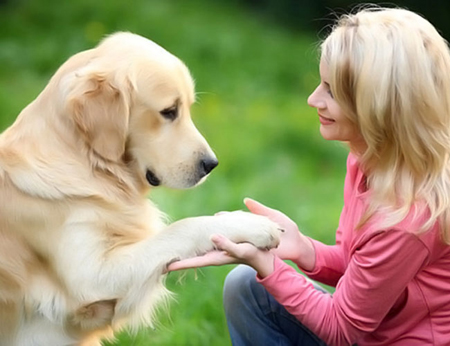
[254, 317]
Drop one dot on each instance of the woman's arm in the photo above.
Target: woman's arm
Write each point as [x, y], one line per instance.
[376, 277]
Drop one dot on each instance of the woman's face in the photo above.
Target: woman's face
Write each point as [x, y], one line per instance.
[334, 125]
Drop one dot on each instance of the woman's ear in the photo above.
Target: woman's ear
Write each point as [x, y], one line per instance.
[100, 111]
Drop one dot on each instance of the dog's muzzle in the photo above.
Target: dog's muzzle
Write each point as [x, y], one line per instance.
[204, 167]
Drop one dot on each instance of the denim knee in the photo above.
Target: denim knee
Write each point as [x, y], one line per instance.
[239, 286]
[254, 317]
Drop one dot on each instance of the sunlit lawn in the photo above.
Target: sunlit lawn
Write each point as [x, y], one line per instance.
[253, 79]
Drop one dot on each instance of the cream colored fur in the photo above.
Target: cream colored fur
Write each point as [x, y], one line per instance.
[82, 250]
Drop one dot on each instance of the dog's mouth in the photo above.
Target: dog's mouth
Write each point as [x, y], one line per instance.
[152, 178]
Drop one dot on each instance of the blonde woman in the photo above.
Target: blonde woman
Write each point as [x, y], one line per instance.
[384, 90]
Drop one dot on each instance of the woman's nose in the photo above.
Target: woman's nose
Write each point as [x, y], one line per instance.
[314, 100]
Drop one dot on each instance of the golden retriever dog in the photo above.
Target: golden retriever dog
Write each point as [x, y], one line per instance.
[83, 251]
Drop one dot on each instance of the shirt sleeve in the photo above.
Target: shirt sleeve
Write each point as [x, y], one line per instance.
[329, 265]
[330, 260]
[377, 275]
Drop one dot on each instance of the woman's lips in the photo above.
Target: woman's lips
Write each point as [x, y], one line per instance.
[325, 121]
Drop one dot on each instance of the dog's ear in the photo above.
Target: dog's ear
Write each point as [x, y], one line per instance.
[100, 111]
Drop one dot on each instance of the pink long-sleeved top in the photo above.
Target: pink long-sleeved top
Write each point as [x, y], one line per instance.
[392, 285]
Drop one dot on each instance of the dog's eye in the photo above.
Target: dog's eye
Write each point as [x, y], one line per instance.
[170, 113]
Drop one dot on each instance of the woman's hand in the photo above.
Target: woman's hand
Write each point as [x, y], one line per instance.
[293, 245]
[229, 252]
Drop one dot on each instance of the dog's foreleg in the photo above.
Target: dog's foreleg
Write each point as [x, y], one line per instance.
[146, 262]
[192, 236]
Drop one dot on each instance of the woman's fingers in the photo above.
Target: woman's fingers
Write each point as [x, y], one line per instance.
[227, 252]
[260, 209]
[223, 243]
[212, 258]
[221, 256]
[256, 207]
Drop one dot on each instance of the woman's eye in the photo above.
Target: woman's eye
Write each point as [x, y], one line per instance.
[328, 89]
[170, 113]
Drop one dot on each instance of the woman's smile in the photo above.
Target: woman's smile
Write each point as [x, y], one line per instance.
[325, 121]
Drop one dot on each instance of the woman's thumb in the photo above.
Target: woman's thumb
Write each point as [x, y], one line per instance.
[223, 243]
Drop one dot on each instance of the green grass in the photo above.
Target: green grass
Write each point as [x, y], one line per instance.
[253, 79]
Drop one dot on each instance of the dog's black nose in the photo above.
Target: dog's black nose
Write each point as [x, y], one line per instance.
[207, 165]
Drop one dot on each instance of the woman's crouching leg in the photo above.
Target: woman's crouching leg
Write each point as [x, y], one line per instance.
[254, 317]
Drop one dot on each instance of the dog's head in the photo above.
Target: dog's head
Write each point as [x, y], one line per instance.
[130, 99]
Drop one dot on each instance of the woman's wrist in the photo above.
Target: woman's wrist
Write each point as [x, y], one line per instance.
[263, 263]
[307, 255]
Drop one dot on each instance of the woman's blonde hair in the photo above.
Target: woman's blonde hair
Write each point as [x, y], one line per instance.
[389, 70]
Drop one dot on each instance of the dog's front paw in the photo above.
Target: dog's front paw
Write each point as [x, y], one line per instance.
[245, 227]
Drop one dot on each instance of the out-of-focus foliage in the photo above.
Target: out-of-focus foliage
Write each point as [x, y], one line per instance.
[253, 78]
[313, 15]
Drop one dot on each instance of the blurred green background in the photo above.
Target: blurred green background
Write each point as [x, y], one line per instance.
[255, 63]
